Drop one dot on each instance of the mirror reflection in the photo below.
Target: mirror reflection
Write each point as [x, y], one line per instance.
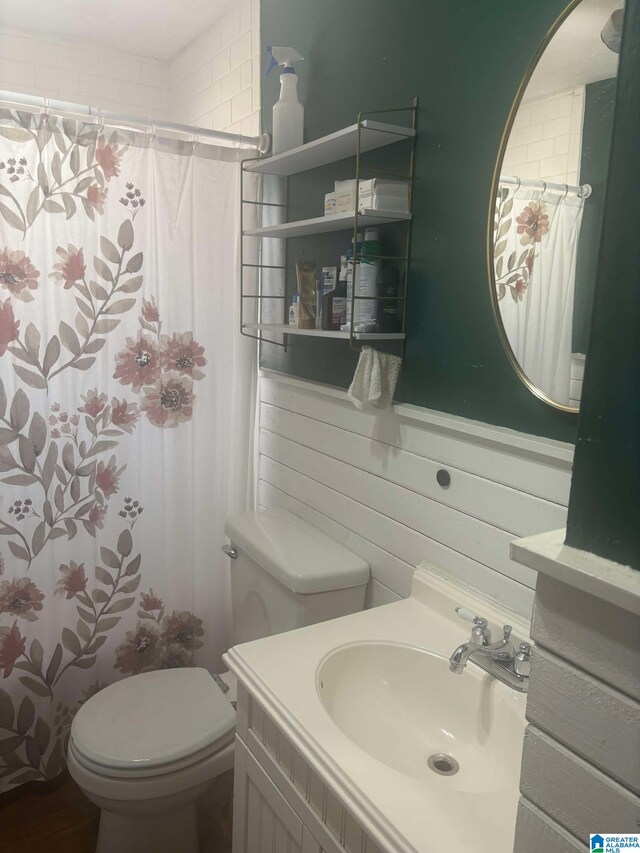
[549, 204]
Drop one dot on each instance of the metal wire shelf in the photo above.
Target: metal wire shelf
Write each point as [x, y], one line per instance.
[311, 156]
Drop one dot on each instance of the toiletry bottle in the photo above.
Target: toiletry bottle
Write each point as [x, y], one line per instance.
[367, 270]
[307, 288]
[318, 304]
[350, 264]
[390, 309]
[288, 112]
[334, 303]
[328, 284]
[339, 302]
[293, 310]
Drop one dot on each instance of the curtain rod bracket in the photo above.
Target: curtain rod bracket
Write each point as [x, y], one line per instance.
[99, 121]
[264, 143]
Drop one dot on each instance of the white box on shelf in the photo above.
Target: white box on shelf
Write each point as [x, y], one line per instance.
[345, 196]
[373, 194]
[384, 186]
[330, 204]
[380, 201]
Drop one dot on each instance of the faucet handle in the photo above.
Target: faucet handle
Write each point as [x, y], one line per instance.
[470, 616]
[481, 632]
[522, 662]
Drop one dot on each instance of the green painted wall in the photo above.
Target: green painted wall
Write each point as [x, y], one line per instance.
[464, 59]
[604, 507]
[594, 164]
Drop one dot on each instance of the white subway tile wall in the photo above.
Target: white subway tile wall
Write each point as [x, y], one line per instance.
[577, 377]
[84, 73]
[546, 139]
[215, 81]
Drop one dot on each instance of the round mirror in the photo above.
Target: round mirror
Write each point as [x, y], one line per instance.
[547, 201]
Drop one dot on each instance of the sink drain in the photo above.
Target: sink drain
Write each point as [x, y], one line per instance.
[442, 764]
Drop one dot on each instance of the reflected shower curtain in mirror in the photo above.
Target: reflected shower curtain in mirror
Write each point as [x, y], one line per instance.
[535, 248]
[125, 417]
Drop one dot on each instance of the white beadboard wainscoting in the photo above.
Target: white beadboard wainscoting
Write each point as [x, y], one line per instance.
[369, 481]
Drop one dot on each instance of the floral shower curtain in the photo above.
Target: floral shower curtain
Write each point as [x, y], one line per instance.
[535, 249]
[125, 410]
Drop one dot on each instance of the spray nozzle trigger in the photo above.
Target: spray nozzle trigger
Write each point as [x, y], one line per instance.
[284, 56]
[272, 63]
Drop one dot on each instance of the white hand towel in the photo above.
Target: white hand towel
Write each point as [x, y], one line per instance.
[374, 381]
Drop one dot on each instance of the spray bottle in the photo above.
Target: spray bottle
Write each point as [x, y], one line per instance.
[288, 112]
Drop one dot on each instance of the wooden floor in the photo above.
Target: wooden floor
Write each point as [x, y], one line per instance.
[56, 817]
[48, 817]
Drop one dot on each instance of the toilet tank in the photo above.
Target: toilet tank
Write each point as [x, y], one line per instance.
[287, 574]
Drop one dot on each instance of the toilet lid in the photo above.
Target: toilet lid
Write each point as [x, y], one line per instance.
[152, 719]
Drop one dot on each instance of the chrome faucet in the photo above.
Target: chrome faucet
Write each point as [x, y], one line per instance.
[499, 659]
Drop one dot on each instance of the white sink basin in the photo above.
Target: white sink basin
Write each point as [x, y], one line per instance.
[368, 698]
[402, 705]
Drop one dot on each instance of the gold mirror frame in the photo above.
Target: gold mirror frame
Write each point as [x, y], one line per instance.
[538, 392]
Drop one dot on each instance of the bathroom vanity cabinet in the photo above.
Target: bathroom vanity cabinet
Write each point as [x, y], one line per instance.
[280, 802]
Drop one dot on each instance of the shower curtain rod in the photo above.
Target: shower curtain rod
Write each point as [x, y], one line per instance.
[583, 191]
[100, 117]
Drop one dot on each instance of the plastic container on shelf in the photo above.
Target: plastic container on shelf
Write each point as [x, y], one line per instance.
[367, 271]
[350, 264]
[288, 112]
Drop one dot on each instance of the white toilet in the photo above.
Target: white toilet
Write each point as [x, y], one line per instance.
[148, 748]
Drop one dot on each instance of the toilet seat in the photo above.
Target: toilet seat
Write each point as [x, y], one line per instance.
[170, 767]
[153, 724]
[108, 790]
